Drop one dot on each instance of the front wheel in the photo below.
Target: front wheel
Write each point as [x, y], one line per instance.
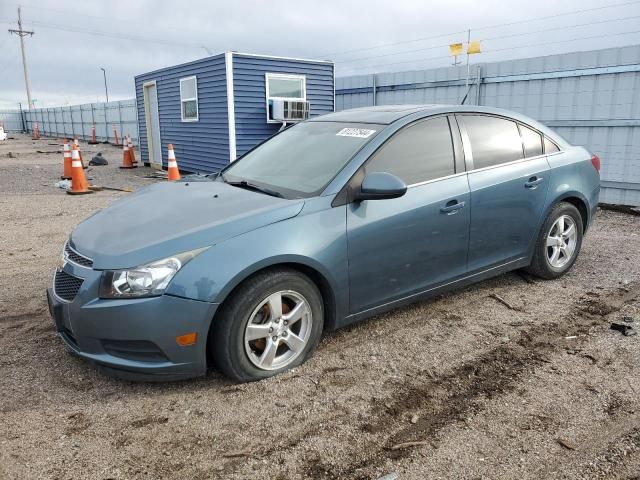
[558, 243]
[270, 324]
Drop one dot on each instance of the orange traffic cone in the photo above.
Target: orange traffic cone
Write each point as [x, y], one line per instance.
[126, 157]
[93, 135]
[36, 133]
[77, 144]
[132, 152]
[174, 173]
[79, 184]
[115, 135]
[68, 170]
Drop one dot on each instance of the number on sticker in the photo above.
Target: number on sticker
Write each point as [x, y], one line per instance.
[355, 132]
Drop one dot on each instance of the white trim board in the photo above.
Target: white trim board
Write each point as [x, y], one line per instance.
[182, 99]
[275, 57]
[231, 115]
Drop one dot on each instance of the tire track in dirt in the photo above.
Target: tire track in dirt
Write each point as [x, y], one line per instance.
[448, 399]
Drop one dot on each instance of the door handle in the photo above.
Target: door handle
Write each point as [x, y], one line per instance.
[451, 207]
[533, 182]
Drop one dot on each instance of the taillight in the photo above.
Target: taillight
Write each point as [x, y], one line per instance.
[595, 161]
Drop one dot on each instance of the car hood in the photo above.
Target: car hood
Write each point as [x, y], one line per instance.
[174, 217]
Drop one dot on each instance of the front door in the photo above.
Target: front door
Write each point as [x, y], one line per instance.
[509, 180]
[153, 124]
[404, 246]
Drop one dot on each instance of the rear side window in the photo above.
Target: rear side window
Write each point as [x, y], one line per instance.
[493, 140]
[549, 146]
[420, 152]
[532, 142]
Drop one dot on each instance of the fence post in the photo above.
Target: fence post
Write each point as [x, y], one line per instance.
[93, 117]
[73, 130]
[375, 88]
[120, 119]
[478, 83]
[106, 122]
[22, 119]
[81, 122]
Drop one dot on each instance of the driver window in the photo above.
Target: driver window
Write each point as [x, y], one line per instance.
[420, 152]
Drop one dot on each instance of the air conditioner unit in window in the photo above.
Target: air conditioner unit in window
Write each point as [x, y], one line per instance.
[290, 110]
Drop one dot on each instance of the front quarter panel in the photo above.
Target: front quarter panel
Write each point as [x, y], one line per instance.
[315, 238]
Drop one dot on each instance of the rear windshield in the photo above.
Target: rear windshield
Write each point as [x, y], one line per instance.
[302, 160]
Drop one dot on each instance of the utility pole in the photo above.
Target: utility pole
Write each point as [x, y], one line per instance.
[23, 33]
[106, 91]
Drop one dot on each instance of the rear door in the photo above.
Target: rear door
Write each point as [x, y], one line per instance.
[508, 179]
[402, 246]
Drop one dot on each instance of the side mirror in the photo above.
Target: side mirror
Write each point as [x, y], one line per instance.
[380, 186]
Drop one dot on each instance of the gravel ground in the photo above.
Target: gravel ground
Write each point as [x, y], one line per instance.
[462, 386]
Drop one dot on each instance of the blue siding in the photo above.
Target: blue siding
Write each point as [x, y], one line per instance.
[201, 146]
[250, 94]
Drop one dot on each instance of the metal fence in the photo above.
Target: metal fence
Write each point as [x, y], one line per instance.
[590, 98]
[78, 120]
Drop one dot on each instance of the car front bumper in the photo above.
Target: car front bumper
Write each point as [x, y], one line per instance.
[133, 339]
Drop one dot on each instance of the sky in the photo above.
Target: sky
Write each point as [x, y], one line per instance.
[74, 39]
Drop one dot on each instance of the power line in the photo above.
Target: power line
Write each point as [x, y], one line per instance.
[137, 38]
[113, 20]
[564, 27]
[500, 49]
[508, 24]
[607, 35]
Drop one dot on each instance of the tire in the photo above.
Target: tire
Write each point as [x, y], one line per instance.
[543, 264]
[254, 300]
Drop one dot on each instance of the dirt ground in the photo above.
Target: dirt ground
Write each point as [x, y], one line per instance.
[462, 386]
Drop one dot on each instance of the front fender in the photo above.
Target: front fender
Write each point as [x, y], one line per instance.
[316, 239]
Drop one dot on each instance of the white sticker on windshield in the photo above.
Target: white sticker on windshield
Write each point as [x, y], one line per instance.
[355, 132]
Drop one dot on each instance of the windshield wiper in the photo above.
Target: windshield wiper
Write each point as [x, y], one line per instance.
[250, 186]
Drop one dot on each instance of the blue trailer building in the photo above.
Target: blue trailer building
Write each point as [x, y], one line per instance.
[215, 109]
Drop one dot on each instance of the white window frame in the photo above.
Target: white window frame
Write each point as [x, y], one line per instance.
[190, 99]
[288, 76]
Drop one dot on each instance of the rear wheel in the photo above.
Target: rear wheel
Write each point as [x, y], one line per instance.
[558, 243]
[270, 324]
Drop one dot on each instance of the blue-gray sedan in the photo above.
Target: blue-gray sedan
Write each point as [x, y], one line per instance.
[329, 222]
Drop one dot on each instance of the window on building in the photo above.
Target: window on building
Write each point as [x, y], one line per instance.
[189, 99]
[549, 146]
[418, 153]
[493, 140]
[532, 141]
[281, 86]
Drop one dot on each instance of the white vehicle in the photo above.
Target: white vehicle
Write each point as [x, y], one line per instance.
[3, 134]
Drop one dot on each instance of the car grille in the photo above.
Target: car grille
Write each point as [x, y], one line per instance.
[75, 257]
[66, 286]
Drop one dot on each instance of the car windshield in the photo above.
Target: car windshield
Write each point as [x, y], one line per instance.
[302, 160]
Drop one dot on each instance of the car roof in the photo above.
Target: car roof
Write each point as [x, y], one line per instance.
[383, 114]
[388, 114]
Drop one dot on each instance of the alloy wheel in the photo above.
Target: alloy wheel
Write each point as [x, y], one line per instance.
[561, 241]
[278, 330]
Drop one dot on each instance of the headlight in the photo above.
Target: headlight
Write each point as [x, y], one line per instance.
[146, 280]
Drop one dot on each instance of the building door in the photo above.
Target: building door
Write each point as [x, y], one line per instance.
[152, 121]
